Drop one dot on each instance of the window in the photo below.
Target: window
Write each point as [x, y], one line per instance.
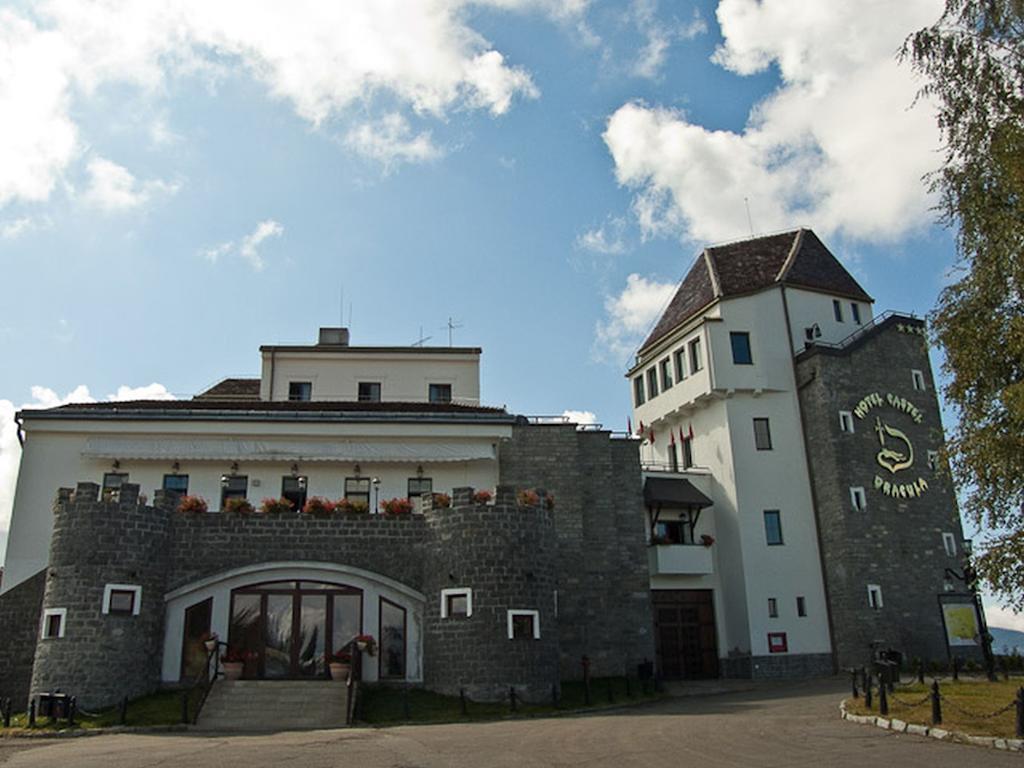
[773, 527]
[678, 531]
[666, 374]
[740, 341]
[294, 490]
[918, 380]
[855, 312]
[695, 359]
[176, 483]
[300, 390]
[874, 596]
[673, 458]
[369, 391]
[846, 422]
[122, 599]
[933, 460]
[680, 359]
[112, 482]
[638, 391]
[809, 333]
[357, 489]
[762, 435]
[523, 625]
[456, 603]
[419, 486]
[837, 310]
[949, 543]
[53, 622]
[233, 487]
[440, 393]
[858, 499]
[392, 640]
[777, 642]
[687, 454]
[773, 608]
[801, 606]
[652, 383]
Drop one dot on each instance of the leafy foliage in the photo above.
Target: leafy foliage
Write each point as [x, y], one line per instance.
[973, 62]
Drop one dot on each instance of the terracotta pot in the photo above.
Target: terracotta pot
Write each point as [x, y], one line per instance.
[210, 644]
[232, 669]
[339, 672]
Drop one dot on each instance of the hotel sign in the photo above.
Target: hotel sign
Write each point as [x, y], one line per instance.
[896, 452]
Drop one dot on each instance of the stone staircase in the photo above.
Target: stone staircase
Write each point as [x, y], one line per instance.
[277, 705]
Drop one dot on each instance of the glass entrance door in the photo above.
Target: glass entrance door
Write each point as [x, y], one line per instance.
[288, 629]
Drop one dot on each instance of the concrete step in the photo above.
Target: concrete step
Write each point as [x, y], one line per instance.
[267, 706]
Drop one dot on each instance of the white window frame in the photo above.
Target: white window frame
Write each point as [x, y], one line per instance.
[47, 613]
[773, 608]
[846, 422]
[137, 603]
[949, 543]
[917, 379]
[456, 592]
[875, 604]
[519, 612]
[858, 499]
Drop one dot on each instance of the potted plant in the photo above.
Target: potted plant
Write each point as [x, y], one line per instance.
[366, 644]
[271, 506]
[482, 497]
[193, 505]
[359, 507]
[340, 664]
[527, 498]
[396, 506]
[442, 500]
[318, 506]
[233, 663]
[238, 506]
[210, 641]
[707, 540]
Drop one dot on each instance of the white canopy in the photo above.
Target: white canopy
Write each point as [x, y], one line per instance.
[228, 449]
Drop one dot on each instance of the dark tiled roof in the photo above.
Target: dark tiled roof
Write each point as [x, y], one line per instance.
[314, 406]
[752, 265]
[232, 389]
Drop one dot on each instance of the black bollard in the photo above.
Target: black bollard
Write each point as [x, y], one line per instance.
[1020, 713]
[32, 714]
[883, 701]
[853, 683]
[72, 708]
[462, 701]
[512, 698]
[123, 718]
[184, 707]
[891, 673]
[867, 690]
[936, 704]
[920, 672]
[956, 667]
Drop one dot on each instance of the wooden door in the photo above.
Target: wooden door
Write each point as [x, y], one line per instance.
[685, 639]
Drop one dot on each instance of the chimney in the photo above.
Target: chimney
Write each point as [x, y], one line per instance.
[333, 337]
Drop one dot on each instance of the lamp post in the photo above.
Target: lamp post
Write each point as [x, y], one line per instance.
[376, 494]
[970, 580]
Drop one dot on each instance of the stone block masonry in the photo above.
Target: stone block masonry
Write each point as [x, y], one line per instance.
[20, 612]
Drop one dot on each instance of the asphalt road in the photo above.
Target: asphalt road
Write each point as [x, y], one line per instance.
[795, 724]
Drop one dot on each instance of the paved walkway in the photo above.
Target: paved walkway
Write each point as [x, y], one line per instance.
[791, 725]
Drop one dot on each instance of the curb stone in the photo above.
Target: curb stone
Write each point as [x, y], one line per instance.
[898, 725]
[917, 730]
[76, 733]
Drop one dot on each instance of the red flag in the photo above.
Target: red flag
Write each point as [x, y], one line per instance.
[629, 426]
[682, 435]
[652, 435]
[641, 432]
[691, 430]
[671, 438]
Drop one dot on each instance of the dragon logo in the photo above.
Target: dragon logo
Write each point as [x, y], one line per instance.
[895, 460]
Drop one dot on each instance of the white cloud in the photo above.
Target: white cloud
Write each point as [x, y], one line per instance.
[389, 141]
[14, 228]
[607, 239]
[112, 187]
[836, 147]
[629, 316]
[659, 36]
[580, 417]
[320, 58]
[998, 616]
[44, 397]
[248, 247]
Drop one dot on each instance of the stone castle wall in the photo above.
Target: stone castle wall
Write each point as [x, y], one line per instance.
[896, 542]
[20, 610]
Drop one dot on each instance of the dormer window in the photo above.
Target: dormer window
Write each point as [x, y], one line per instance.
[440, 393]
[300, 390]
[837, 310]
[855, 311]
[369, 391]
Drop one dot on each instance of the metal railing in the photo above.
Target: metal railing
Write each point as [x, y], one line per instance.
[870, 325]
[202, 684]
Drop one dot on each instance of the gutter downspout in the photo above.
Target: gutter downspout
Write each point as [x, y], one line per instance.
[810, 477]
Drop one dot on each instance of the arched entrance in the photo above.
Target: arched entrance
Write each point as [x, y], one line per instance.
[288, 629]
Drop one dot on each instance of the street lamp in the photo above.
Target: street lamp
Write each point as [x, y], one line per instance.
[376, 494]
[970, 580]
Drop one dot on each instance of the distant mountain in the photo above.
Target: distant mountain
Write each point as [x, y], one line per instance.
[1005, 640]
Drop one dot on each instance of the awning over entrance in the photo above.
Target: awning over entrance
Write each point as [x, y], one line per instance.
[286, 450]
[673, 493]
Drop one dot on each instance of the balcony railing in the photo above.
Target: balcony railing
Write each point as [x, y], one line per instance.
[680, 559]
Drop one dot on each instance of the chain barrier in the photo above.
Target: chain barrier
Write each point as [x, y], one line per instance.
[910, 704]
[976, 715]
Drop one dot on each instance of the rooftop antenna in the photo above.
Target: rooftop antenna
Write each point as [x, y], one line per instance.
[422, 338]
[451, 326]
[750, 222]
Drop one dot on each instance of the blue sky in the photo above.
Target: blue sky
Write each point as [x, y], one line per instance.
[180, 185]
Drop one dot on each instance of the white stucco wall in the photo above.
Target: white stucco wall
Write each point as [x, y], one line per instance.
[807, 308]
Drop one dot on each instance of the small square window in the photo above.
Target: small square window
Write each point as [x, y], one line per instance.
[696, 362]
[874, 596]
[666, 374]
[176, 483]
[918, 380]
[112, 482]
[300, 390]
[357, 489]
[846, 422]
[777, 642]
[369, 391]
[858, 499]
[638, 391]
[801, 606]
[773, 527]
[456, 603]
[294, 490]
[680, 359]
[949, 544]
[121, 599]
[523, 625]
[652, 383]
[762, 435]
[53, 623]
[740, 341]
[418, 486]
[837, 310]
[933, 460]
[233, 487]
[773, 608]
[855, 312]
[440, 393]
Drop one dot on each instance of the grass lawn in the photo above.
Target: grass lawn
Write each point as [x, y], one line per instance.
[162, 708]
[963, 706]
[385, 705]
